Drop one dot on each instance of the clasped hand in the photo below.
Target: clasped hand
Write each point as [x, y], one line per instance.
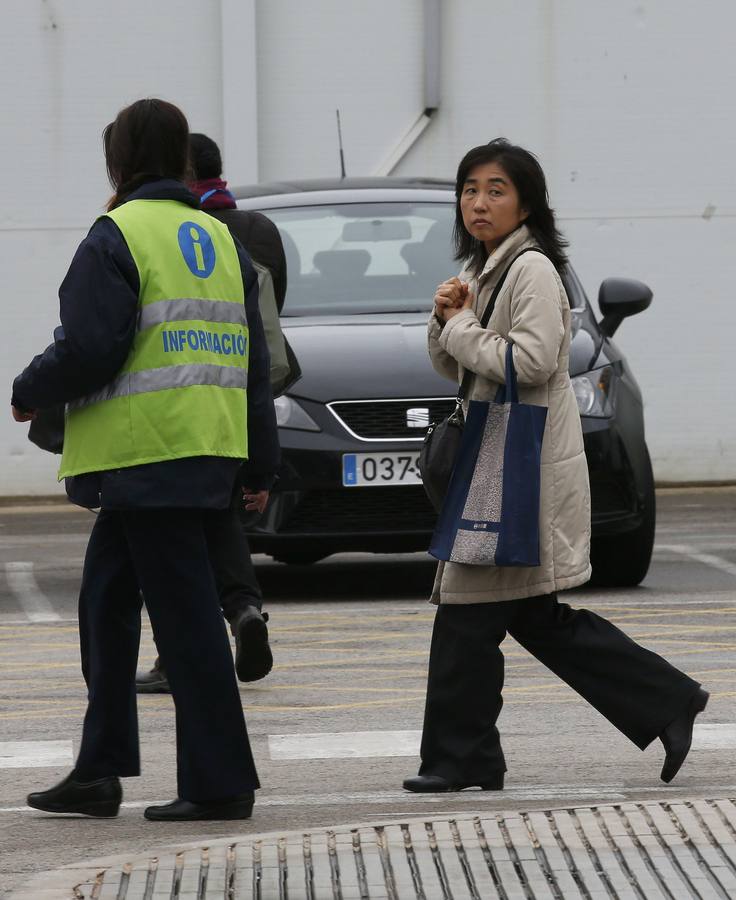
[21, 416]
[452, 297]
[255, 500]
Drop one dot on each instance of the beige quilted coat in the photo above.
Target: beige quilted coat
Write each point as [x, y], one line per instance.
[533, 312]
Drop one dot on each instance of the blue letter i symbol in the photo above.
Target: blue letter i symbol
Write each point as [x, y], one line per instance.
[198, 255]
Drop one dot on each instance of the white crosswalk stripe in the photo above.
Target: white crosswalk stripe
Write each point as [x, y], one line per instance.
[344, 745]
[24, 587]
[601, 793]
[708, 559]
[35, 754]
[371, 744]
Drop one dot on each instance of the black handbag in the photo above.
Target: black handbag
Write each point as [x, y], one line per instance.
[47, 429]
[442, 441]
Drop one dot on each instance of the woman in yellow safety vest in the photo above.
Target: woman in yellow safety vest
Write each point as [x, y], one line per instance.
[162, 363]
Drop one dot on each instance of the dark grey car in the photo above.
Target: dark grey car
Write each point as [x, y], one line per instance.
[364, 258]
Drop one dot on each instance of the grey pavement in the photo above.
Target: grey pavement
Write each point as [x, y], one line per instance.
[335, 727]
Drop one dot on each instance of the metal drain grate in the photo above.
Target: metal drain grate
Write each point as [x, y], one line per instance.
[679, 849]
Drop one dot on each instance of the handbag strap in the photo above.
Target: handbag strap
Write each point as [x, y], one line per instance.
[509, 392]
[485, 319]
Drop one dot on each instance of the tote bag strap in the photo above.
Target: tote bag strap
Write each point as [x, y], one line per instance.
[509, 392]
[485, 319]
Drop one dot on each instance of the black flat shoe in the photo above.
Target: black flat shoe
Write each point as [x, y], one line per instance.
[253, 657]
[153, 682]
[678, 736]
[436, 784]
[185, 811]
[100, 798]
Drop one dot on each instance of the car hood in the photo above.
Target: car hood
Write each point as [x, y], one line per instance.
[363, 356]
[376, 356]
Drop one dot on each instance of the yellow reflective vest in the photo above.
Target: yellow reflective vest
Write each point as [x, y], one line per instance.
[182, 389]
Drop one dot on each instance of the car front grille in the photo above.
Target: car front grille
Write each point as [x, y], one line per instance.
[375, 420]
[362, 510]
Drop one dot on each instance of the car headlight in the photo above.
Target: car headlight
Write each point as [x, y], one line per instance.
[593, 392]
[290, 415]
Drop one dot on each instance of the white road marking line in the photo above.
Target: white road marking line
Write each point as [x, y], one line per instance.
[714, 737]
[35, 754]
[533, 793]
[43, 540]
[378, 798]
[344, 745]
[36, 509]
[710, 542]
[14, 620]
[708, 559]
[24, 587]
[374, 744]
[682, 525]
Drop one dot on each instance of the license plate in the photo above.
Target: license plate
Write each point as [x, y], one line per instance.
[376, 469]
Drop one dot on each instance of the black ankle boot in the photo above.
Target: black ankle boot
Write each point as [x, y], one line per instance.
[100, 798]
[253, 657]
[678, 735]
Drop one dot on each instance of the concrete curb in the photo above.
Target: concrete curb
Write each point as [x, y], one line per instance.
[668, 849]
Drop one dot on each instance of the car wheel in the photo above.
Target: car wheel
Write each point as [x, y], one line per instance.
[297, 558]
[623, 560]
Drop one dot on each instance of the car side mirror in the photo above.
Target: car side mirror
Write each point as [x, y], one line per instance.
[619, 298]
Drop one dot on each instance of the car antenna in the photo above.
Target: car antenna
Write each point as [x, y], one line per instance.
[339, 142]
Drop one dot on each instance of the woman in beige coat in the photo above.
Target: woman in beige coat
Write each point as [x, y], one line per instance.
[502, 209]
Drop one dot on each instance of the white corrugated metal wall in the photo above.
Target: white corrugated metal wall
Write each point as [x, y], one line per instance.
[628, 106]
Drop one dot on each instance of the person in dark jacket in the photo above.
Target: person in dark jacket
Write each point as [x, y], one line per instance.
[240, 594]
[256, 232]
[174, 398]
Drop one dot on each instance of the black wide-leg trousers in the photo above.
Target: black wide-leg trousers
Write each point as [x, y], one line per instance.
[636, 690]
[164, 553]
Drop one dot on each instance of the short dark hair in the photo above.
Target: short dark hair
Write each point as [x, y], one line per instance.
[204, 157]
[148, 139]
[525, 172]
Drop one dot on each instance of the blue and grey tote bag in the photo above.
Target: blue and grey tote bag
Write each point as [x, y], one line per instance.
[490, 516]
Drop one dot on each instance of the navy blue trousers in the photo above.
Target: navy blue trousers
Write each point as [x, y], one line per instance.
[639, 692]
[164, 553]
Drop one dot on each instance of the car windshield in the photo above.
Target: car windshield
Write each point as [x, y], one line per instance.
[358, 258]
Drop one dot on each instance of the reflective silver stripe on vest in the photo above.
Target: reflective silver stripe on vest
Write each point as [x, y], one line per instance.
[187, 309]
[150, 380]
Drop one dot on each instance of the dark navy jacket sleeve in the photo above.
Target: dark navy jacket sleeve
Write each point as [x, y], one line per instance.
[98, 308]
[259, 471]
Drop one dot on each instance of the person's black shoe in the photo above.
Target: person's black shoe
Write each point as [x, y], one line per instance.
[253, 657]
[218, 810]
[153, 682]
[436, 784]
[100, 798]
[678, 736]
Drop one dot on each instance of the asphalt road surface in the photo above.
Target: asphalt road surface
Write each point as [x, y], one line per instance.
[335, 727]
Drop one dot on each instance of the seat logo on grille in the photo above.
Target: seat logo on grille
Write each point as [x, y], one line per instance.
[417, 417]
